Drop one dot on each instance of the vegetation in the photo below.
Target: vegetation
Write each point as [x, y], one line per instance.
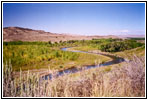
[137, 38]
[124, 81]
[37, 55]
[128, 54]
[84, 48]
[31, 54]
[109, 45]
[119, 46]
[26, 43]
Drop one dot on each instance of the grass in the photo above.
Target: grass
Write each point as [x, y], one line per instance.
[124, 81]
[90, 59]
[82, 60]
[85, 48]
[128, 54]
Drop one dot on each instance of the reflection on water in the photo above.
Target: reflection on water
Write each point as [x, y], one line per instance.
[115, 60]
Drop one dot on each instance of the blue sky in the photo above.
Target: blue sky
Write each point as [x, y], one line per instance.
[77, 18]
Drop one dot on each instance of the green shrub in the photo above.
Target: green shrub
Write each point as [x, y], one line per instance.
[119, 46]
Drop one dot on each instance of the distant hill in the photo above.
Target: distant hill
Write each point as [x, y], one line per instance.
[131, 36]
[26, 34]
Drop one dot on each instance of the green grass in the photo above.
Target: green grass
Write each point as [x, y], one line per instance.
[85, 48]
[90, 59]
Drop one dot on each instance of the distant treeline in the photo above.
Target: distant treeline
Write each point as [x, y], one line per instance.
[107, 45]
[120, 45]
[137, 38]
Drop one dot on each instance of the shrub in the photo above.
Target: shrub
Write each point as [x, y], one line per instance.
[119, 46]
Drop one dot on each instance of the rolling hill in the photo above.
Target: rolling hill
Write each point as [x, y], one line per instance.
[26, 34]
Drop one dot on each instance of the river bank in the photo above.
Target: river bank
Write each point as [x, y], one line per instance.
[115, 60]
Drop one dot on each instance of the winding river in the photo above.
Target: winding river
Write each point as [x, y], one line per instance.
[115, 60]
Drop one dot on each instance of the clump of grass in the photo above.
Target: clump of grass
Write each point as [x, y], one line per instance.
[7, 79]
[107, 69]
[125, 81]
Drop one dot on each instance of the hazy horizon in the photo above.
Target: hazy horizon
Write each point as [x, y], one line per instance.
[77, 18]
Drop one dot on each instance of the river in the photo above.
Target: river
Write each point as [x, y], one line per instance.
[115, 60]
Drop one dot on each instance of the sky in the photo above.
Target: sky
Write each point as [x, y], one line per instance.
[77, 18]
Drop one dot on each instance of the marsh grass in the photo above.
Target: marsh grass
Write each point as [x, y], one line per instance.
[125, 81]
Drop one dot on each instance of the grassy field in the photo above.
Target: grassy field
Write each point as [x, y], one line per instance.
[84, 48]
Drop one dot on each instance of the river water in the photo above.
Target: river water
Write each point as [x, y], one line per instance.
[115, 60]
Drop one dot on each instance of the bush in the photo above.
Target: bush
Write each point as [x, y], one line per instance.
[119, 46]
[28, 55]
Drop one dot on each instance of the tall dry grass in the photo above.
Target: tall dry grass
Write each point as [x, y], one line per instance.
[125, 81]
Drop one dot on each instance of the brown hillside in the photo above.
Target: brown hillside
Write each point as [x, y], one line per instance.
[25, 34]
